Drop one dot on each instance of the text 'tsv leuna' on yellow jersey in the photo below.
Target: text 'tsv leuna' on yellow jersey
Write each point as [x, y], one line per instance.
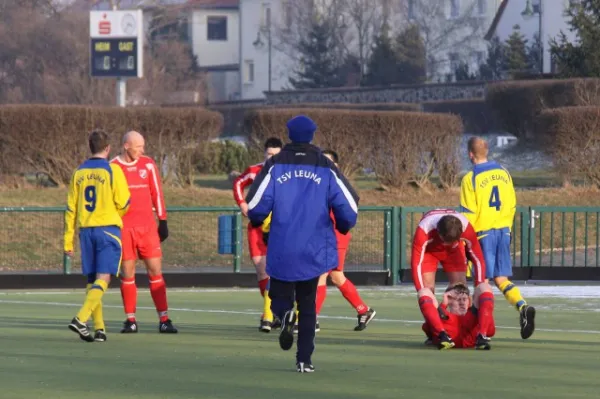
[487, 197]
[98, 196]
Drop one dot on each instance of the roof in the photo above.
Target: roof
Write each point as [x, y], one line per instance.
[492, 30]
[214, 4]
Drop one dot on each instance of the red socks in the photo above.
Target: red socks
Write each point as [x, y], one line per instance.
[129, 295]
[158, 290]
[431, 315]
[321, 294]
[485, 313]
[262, 285]
[349, 292]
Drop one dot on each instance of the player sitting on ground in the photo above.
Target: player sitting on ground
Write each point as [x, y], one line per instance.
[443, 236]
[256, 244]
[468, 326]
[348, 290]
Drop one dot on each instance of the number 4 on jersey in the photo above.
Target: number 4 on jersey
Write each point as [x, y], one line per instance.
[495, 199]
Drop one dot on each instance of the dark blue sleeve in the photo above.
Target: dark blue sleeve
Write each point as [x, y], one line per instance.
[260, 196]
[344, 202]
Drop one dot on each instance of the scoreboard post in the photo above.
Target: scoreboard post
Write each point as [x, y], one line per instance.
[116, 47]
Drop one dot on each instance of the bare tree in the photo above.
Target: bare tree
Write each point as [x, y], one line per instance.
[442, 31]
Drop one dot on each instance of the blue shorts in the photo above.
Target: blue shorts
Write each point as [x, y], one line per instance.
[100, 250]
[495, 245]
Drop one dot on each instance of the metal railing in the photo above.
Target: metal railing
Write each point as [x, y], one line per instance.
[32, 239]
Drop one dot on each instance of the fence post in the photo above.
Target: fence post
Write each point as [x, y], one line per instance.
[387, 240]
[398, 244]
[237, 255]
[525, 231]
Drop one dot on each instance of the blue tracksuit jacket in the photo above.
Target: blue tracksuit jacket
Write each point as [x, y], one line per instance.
[300, 186]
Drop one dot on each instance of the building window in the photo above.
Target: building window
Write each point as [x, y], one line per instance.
[216, 28]
[477, 58]
[454, 61]
[482, 7]
[265, 15]
[454, 8]
[248, 71]
[411, 9]
[288, 16]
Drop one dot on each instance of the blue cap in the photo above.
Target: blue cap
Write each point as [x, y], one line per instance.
[301, 129]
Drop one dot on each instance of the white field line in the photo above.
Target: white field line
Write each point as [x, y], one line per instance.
[251, 313]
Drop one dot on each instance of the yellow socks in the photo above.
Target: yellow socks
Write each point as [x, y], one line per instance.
[97, 314]
[512, 294]
[267, 313]
[92, 300]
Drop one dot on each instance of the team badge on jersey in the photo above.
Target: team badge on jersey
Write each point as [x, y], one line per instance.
[143, 173]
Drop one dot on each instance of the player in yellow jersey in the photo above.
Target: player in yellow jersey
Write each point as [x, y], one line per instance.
[98, 198]
[488, 200]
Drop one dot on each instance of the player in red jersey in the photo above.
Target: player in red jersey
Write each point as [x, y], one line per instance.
[470, 326]
[140, 236]
[256, 244]
[348, 290]
[443, 236]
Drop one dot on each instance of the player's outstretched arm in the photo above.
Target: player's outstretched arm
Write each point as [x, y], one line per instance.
[260, 196]
[121, 195]
[71, 216]
[239, 184]
[158, 200]
[344, 202]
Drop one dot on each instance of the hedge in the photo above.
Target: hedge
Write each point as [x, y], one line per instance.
[401, 147]
[53, 139]
[572, 137]
[359, 106]
[516, 104]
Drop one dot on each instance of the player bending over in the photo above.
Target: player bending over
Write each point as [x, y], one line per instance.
[464, 325]
[348, 290]
[256, 243]
[488, 200]
[443, 236]
[141, 238]
[98, 198]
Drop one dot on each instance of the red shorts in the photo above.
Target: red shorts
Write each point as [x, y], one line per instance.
[462, 329]
[256, 244]
[341, 259]
[452, 261]
[142, 241]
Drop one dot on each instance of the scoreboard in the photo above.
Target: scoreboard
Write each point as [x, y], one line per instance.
[114, 57]
[116, 44]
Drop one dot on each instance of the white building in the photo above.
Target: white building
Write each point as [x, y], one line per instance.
[215, 39]
[262, 66]
[453, 32]
[526, 14]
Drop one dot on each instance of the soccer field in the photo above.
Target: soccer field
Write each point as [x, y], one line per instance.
[219, 352]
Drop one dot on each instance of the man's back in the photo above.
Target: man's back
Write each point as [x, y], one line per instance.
[100, 199]
[488, 197]
[303, 187]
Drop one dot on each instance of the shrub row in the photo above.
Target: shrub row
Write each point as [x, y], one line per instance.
[572, 137]
[515, 105]
[400, 147]
[53, 139]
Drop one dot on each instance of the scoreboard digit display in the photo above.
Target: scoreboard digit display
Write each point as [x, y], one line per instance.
[116, 44]
[114, 57]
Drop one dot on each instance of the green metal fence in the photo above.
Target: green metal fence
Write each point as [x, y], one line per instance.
[542, 236]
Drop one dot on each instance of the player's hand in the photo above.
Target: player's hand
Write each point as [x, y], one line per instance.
[69, 253]
[244, 209]
[266, 238]
[163, 230]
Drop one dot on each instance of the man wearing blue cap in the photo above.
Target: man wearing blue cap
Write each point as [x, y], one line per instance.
[300, 187]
